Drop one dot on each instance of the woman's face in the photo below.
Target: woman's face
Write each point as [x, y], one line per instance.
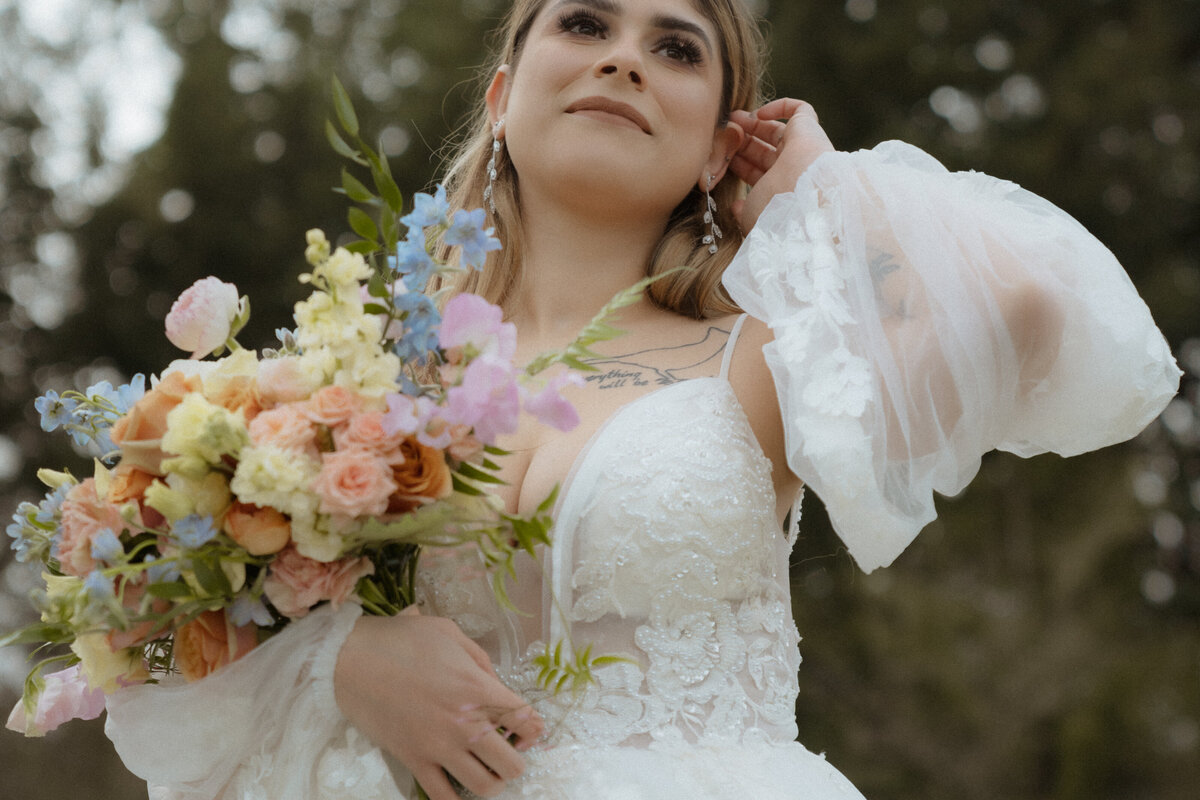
[614, 103]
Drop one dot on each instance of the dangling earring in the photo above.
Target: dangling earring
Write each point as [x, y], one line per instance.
[710, 209]
[488, 192]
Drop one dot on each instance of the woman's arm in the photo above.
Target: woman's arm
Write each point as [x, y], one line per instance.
[425, 693]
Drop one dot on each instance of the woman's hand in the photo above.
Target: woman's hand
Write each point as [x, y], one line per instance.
[782, 139]
[424, 692]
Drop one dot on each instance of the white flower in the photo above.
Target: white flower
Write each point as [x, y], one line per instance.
[202, 319]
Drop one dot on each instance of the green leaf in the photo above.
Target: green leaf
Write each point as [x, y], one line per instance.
[374, 308]
[339, 145]
[355, 189]
[212, 580]
[344, 108]
[39, 633]
[169, 591]
[474, 473]
[363, 225]
[362, 247]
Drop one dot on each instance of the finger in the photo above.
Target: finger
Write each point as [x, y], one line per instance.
[495, 753]
[769, 131]
[472, 774]
[477, 653]
[524, 725]
[746, 170]
[435, 783]
[784, 108]
[758, 153]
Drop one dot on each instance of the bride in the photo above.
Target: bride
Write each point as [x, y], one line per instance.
[865, 324]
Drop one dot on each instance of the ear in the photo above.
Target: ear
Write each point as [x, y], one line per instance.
[497, 94]
[727, 141]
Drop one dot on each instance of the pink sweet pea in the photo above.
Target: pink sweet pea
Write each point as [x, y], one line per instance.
[202, 319]
[550, 407]
[487, 399]
[468, 319]
[66, 696]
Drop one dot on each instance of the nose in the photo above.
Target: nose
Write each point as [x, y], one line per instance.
[622, 59]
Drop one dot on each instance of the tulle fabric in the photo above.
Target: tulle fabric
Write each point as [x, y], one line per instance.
[906, 343]
[266, 727]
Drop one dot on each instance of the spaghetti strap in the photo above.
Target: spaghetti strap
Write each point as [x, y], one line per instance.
[730, 343]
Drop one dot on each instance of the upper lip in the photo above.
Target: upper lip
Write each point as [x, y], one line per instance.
[610, 106]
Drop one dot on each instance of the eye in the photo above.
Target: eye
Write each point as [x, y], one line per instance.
[581, 23]
[678, 48]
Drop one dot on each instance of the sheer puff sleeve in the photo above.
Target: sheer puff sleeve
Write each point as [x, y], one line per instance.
[266, 727]
[922, 318]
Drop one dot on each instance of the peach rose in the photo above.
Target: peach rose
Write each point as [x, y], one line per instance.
[366, 431]
[128, 483]
[287, 427]
[84, 516]
[209, 642]
[295, 584]
[333, 405]
[139, 433]
[237, 393]
[423, 476]
[280, 380]
[260, 530]
[353, 483]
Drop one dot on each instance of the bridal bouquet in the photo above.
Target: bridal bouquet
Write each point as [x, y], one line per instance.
[237, 494]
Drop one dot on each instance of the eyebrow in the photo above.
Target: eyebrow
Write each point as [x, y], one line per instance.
[661, 21]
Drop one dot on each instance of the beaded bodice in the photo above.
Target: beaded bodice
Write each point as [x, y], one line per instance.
[666, 552]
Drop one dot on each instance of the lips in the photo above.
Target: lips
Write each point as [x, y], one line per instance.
[608, 106]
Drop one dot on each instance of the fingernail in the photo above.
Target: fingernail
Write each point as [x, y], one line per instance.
[469, 707]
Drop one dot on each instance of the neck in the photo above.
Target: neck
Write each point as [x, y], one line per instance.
[573, 263]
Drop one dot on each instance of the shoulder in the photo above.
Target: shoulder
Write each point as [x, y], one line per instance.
[755, 389]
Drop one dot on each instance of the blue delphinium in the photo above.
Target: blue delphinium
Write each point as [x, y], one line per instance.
[428, 210]
[247, 609]
[99, 588]
[413, 262]
[107, 548]
[55, 410]
[194, 531]
[420, 326]
[467, 232]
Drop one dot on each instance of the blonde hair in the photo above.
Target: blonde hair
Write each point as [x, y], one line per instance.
[695, 291]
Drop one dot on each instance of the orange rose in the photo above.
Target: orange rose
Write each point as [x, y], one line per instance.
[139, 433]
[261, 531]
[133, 598]
[422, 476]
[128, 483]
[84, 517]
[209, 642]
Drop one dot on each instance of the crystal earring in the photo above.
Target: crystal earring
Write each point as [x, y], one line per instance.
[710, 209]
[488, 192]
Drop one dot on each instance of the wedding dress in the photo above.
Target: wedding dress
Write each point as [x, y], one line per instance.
[898, 361]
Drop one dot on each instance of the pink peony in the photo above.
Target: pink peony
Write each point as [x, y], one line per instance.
[470, 320]
[353, 483]
[286, 427]
[488, 399]
[281, 381]
[84, 516]
[65, 697]
[202, 318]
[295, 584]
[550, 407]
[333, 405]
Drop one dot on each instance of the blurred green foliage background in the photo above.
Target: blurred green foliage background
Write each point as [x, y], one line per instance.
[1041, 640]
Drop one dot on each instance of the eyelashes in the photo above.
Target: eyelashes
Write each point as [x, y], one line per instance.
[672, 45]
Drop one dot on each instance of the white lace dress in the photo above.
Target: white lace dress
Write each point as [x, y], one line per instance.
[898, 360]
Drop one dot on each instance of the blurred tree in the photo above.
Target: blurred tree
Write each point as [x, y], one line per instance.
[1040, 641]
